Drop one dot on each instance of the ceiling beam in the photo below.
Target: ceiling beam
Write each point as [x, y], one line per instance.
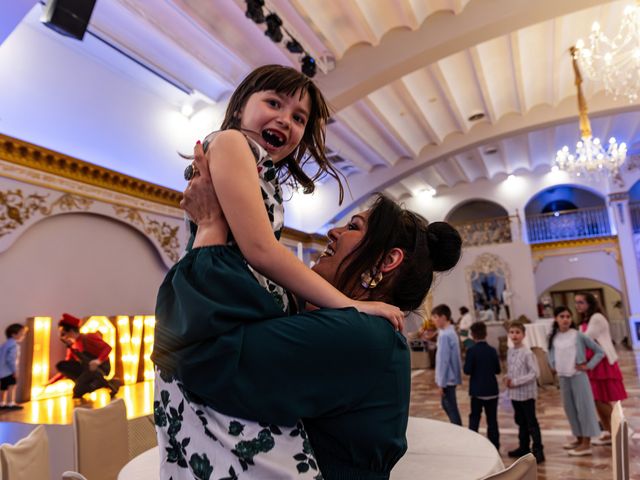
[483, 133]
[402, 51]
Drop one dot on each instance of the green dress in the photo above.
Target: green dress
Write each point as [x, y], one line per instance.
[195, 440]
[344, 373]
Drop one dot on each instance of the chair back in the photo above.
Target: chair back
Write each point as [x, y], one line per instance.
[619, 443]
[28, 459]
[546, 376]
[101, 440]
[525, 468]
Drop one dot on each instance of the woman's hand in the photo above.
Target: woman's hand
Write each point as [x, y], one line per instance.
[582, 367]
[392, 313]
[201, 204]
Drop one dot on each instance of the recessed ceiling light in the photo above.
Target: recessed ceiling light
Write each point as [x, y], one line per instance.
[476, 116]
[187, 110]
[490, 151]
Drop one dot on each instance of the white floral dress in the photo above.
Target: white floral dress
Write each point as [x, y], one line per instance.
[195, 441]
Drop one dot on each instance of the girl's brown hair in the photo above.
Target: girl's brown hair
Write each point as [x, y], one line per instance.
[286, 80]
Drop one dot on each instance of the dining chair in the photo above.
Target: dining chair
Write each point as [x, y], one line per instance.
[28, 459]
[525, 468]
[101, 443]
[619, 443]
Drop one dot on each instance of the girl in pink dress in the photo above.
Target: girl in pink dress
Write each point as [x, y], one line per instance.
[606, 377]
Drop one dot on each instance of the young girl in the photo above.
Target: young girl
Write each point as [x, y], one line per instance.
[606, 381]
[275, 120]
[567, 356]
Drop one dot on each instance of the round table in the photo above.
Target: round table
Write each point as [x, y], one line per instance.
[144, 466]
[443, 451]
[437, 450]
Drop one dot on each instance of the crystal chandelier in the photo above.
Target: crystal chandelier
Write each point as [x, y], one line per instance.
[590, 158]
[615, 61]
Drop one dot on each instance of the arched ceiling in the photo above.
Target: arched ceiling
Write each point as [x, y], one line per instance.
[403, 76]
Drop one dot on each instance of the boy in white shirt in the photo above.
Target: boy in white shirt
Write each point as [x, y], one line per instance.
[522, 371]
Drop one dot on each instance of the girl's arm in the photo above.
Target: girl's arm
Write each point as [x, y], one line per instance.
[598, 353]
[233, 172]
[597, 326]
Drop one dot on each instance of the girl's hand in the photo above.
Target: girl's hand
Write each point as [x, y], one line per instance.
[582, 367]
[392, 313]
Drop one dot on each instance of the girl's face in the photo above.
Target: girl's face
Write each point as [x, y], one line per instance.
[581, 304]
[564, 321]
[276, 121]
[342, 241]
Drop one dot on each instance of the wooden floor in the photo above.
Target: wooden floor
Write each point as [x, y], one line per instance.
[425, 402]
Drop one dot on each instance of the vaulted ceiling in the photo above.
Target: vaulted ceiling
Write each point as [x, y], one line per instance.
[405, 77]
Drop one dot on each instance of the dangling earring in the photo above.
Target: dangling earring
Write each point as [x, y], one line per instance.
[371, 278]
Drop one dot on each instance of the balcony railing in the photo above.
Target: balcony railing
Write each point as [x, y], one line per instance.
[485, 231]
[568, 225]
[634, 208]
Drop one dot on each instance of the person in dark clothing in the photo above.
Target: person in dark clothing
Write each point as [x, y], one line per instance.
[482, 364]
[87, 360]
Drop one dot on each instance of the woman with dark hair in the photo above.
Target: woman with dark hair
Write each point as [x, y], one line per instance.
[606, 379]
[344, 373]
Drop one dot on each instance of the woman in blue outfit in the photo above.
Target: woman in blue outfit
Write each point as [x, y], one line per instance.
[344, 373]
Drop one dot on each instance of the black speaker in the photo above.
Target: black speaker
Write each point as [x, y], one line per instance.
[68, 17]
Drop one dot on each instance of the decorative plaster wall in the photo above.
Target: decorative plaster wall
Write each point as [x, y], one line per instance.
[451, 288]
[600, 266]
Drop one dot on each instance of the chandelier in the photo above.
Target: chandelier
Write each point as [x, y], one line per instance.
[615, 61]
[590, 158]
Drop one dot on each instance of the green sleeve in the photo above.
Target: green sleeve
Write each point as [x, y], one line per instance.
[310, 365]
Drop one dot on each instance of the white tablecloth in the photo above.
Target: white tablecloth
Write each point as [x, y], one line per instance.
[145, 466]
[537, 333]
[443, 451]
[437, 450]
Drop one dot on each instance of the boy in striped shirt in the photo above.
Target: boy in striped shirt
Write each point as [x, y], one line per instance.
[522, 371]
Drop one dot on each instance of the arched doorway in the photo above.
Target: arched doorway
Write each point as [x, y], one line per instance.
[563, 293]
[473, 210]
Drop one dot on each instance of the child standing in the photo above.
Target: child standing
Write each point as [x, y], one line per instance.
[9, 366]
[522, 371]
[274, 124]
[482, 364]
[567, 355]
[448, 374]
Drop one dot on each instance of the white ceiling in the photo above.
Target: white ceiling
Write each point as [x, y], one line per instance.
[403, 77]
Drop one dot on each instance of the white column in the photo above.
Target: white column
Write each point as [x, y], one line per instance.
[622, 215]
[11, 14]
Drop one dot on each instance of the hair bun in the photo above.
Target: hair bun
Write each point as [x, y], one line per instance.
[445, 246]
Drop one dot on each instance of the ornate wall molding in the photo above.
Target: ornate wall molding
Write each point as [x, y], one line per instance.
[41, 159]
[488, 263]
[608, 245]
[23, 205]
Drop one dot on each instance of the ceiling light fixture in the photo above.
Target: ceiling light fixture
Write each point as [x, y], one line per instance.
[590, 158]
[614, 61]
[276, 32]
[476, 116]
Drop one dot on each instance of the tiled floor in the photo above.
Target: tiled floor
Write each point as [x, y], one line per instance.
[425, 402]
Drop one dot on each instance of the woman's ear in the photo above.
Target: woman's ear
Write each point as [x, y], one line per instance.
[392, 260]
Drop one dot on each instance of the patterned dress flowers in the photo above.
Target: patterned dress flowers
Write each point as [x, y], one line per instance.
[195, 441]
